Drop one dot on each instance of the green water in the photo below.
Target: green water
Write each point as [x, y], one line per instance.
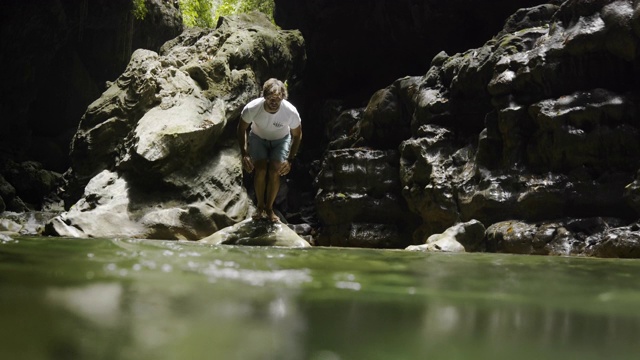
[141, 299]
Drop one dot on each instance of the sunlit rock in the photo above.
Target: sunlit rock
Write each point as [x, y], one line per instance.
[26, 223]
[9, 226]
[257, 233]
[5, 236]
[463, 237]
[103, 211]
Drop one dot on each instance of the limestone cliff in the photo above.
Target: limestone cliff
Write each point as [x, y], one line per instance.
[537, 125]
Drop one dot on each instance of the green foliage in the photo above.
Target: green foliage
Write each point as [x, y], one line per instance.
[205, 13]
[197, 13]
[228, 7]
[139, 9]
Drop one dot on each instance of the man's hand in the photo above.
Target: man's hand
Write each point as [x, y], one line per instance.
[284, 168]
[247, 164]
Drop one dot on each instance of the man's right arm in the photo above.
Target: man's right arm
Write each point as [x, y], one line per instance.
[242, 136]
[242, 142]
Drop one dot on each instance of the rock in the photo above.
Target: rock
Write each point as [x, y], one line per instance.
[6, 237]
[26, 223]
[359, 201]
[156, 155]
[7, 192]
[591, 128]
[87, 44]
[109, 209]
[588, 236]
[162, 22]
[10, 226]
[431, 168]
[386, 121]
[34, 182]
[529, 126]
[341, 129]
[632, 193]
[463, 237]
[102, 212]
[256, 233]
[358, 47]
[530, 17]
[621, 242]
[30, 180]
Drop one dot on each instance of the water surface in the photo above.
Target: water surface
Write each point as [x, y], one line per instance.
[143, 299]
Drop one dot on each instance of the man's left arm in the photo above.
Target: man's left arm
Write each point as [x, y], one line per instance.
[296, 135]
[296, 138]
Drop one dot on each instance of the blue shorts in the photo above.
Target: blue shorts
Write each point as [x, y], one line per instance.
[274, 150]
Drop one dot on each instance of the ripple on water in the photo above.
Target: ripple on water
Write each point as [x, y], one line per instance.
[289, 277]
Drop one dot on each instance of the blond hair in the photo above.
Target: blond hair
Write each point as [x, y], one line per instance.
[274, 86]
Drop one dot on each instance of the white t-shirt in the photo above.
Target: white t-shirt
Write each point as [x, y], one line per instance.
[270, 126]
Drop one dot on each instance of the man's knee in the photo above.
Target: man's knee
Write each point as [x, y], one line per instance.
[274, 167]
[260, 167]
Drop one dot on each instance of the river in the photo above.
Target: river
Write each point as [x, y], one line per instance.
[147, 299]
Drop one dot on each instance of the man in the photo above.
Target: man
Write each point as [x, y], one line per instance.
[271, 145]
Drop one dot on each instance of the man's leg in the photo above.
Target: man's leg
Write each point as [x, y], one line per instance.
[273, 185]
[277, 157]
[260, 186]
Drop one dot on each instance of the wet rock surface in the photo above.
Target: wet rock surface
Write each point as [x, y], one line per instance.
[359, 201]
[539, 124]
[601, 237]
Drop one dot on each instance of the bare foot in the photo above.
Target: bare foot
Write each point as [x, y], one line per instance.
[271, 215]
[259, 214]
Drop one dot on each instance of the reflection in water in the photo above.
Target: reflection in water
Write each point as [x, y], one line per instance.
[99, 303]
[135, 299]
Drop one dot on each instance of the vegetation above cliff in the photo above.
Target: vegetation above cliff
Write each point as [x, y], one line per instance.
[205, 13]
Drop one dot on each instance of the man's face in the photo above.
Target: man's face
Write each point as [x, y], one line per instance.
[272, 102]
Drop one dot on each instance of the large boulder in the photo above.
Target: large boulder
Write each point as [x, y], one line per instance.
[156, 156]
[256, 233]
